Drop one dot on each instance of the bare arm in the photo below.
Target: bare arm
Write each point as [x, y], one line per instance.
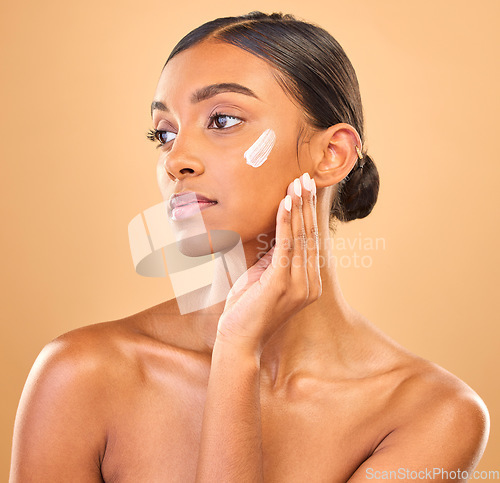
[56, 435]
[231, 441]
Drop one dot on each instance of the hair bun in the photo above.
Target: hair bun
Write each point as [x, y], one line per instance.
[359, 192]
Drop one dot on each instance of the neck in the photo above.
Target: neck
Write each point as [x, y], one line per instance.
[312, 338]
[315, 336]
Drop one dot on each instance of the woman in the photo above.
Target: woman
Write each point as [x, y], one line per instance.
[284, 381]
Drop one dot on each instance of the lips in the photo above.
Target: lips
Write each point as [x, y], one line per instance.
[188, 197]
[188, 203]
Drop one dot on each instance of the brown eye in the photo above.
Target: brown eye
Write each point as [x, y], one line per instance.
[223, 121]
[220, 121]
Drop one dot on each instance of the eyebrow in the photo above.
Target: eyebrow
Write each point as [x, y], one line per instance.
[208, 92]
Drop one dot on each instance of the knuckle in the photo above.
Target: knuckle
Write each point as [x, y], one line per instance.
[302, 239]
[282, 243]
[309, 202]
[285, 245]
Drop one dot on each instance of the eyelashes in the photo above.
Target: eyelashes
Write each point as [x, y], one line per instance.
[156, 135]
[219, 120]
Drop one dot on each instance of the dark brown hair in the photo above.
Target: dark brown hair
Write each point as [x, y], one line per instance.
[314, 69]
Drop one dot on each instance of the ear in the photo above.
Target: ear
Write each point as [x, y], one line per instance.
[334, 153]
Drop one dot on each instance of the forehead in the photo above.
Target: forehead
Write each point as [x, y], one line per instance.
[212, 62]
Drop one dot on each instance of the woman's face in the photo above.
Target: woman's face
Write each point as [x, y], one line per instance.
[216, 101]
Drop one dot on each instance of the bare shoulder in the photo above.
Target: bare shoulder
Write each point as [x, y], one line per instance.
[67, 403]
[88, 355]
[111, 354]
[101, 354]
[80, 361]
[80, 356]
[434, 420]
[59, 430]
[422, 386]
[434, 394]
[429, 394]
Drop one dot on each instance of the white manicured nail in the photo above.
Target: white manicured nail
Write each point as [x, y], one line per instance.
[306, 181]
[296, 187]
[288, 203]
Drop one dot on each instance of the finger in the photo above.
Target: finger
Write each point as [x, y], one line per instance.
[299, 258]
[312, 236]
[283, 247]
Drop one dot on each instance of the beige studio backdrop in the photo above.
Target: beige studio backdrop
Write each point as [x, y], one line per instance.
[77, 83]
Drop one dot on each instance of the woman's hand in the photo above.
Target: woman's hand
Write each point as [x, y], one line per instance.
[285, 280]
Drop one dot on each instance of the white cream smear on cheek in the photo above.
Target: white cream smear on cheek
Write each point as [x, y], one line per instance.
[258, 152]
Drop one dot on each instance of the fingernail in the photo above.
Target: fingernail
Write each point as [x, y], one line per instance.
[296, 187]
[313, 186]
[306, 181]
[288, 203]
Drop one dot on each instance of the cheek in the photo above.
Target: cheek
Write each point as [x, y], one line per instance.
[258, 153]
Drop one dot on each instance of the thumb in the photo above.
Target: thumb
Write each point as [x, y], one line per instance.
[252, 274]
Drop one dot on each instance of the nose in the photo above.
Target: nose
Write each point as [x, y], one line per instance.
[182, 160]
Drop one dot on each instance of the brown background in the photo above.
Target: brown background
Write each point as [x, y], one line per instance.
[77, 82]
